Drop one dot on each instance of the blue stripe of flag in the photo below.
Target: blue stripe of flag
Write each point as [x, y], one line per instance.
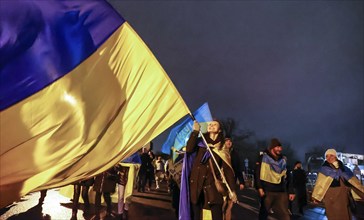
[39, 43]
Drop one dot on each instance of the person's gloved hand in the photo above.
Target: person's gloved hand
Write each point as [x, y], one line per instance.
[196, 126]
[233, 197]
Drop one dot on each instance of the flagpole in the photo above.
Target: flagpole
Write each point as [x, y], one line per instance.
[213, 158]
[218, 167]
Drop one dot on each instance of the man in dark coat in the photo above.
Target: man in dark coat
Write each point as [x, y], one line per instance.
[146, 171]
[203, 191]
[299, 179]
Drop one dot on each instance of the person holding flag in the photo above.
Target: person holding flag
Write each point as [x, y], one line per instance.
[202, 189]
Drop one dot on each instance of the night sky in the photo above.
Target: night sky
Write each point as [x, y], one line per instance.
[287, 69]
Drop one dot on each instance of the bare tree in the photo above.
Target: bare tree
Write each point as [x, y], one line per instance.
[229, 126]
[249, 146]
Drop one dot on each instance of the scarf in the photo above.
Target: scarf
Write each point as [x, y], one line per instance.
[278, 166]
[342, 171]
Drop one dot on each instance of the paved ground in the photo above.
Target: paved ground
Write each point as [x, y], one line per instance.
[152, 205]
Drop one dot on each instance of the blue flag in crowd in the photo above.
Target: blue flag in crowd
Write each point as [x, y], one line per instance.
[184, 199]
[179, 135]
[134, 158]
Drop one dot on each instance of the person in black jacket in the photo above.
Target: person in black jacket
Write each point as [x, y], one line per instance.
[299, 179]
[146, 171]
[270, 179]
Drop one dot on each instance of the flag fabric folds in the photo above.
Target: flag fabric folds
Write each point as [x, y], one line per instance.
[80, 92]
[179, 135]
[184, 212]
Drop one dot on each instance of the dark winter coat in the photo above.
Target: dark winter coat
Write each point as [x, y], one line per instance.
[235, 162]
[201, 177]
[299, 179]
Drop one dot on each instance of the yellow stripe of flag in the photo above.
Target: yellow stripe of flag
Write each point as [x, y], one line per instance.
[114, 102]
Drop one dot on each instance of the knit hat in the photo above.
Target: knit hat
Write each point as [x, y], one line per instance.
[331, 152]
[274, 143]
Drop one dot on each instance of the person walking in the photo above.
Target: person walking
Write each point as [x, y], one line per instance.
[105, 184]
[203, 191]
[159, 171]
[123, 207]
[228, 203]
[333, 185]
[271, 182]
[83, 186]
[167, 177]
[357, 172]
[299, 180]
[146, 172]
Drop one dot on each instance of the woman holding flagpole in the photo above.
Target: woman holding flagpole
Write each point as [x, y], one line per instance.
[203, 191]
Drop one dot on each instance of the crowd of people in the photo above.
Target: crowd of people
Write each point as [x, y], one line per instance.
[276, 186]
[215, 176]
[103, 185]
[106, 183]
[279, 189]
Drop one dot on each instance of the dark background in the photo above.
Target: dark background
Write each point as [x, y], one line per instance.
[287, 69]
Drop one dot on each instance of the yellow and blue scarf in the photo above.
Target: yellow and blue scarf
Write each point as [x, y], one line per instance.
[272, 170]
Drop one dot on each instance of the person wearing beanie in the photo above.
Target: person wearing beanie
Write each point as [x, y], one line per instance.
[331, 152]
[271, 183]
[333, 185]
[274, 143]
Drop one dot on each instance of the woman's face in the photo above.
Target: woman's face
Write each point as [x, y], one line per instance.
[213, 127]
[330, 158]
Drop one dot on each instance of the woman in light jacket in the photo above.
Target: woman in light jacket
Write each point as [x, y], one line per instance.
[333, 186]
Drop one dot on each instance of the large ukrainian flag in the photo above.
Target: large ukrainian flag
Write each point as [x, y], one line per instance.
[80, 91]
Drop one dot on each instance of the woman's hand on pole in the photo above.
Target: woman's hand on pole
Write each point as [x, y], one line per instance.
[233, 196]
[196, 126]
